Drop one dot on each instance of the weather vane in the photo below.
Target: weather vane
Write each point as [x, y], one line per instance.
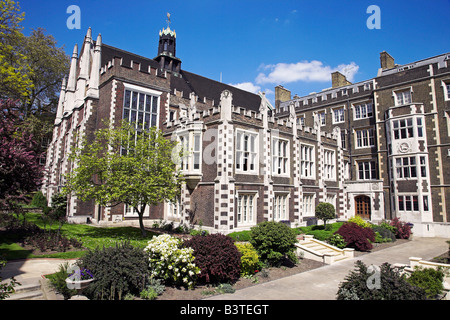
[168, 20]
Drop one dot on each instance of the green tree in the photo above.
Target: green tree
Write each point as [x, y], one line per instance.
[15, 71]
[325, 211]
[122, 165]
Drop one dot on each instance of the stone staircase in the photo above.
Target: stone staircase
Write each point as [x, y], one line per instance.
[321, 251]
[30, 289]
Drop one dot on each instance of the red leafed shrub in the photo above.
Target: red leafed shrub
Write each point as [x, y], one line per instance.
[402, 229]
[217, 257]
[357, 237]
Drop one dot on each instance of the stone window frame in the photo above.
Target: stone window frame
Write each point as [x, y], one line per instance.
[170, 206]
[446, 89]
[187, 140]
[329, 168]
[372, 169]
[277, 214]
[369, 137]
[402, 90]
[252, 154]
[286, 157]
[251, 198]
[310, 161]
[403, 204]
[357, 110]
[334, 109]
[310, 203]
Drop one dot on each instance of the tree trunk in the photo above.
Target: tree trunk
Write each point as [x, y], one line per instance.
[141, 220]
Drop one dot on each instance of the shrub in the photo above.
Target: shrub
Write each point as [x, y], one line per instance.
[360, 222]
[274, 241]
[356, 236]
[429, 280]
[170, 262]
[217, 257]
[39, 200]
[148, 294]
[402, 229]
[392, 285]
[385, 235]
[337, 240]
[249, 258]
[325, 211]
[118, 271]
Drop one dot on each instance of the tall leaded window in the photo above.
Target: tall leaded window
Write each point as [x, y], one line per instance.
[280, 156]
[308, 204]
[329, 165]
[338, 115]
[246, 208]
[141, 109]
[280, 207]
[246, 151]
[307, 158]
[191, 150]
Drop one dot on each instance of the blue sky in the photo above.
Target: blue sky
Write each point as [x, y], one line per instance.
[259, 44]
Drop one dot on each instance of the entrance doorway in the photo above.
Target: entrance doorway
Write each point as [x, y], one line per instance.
[362, 205]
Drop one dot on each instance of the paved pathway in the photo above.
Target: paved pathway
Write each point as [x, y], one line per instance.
[323, 283]
[318, 284]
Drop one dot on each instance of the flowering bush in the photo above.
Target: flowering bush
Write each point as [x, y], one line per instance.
[82, 274]
[402, 229]
[249, 259]
[170, 262]
[356, 236]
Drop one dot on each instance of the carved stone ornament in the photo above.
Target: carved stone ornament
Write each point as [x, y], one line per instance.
[404, 147]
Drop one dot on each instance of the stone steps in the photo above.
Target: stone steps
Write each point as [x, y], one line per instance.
[321, 251]
[29, 289]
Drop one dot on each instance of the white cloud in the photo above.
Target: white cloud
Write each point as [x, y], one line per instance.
[309, 71]
[247, 86]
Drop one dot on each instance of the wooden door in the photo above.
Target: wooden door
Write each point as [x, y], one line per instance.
[362, 205]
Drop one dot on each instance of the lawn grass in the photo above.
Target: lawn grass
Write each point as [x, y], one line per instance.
[91, 237]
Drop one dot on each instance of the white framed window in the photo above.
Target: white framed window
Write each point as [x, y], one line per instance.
[406, 167]
[365, 138]
[130, 211]
[363, 110]
[191, 148]
[280, 156]
[246, 208]
[246, 151]
[331, 198]
[174, 209]
[423, 166]
[281, 207]
[446, 88]
[309, 204]
[367, 170]
[307, 161]
[301, 120]
[338, 115]
[343, 138]
[403, 128]
[329, 166]
[408, 203]
[403, 97]
[322, 118]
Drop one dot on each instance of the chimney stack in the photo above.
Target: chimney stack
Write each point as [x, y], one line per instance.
[281, 95]
[387, 62]
[338, 80]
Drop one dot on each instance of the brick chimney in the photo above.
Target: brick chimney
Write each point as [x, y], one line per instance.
[338, 80]
[386, 60]
[281, 95]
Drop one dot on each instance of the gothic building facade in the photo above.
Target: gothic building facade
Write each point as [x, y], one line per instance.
[378, 149]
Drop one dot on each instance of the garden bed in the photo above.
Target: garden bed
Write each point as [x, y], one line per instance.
[269, 274]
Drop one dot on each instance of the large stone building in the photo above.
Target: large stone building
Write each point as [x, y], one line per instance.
[378, 149]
